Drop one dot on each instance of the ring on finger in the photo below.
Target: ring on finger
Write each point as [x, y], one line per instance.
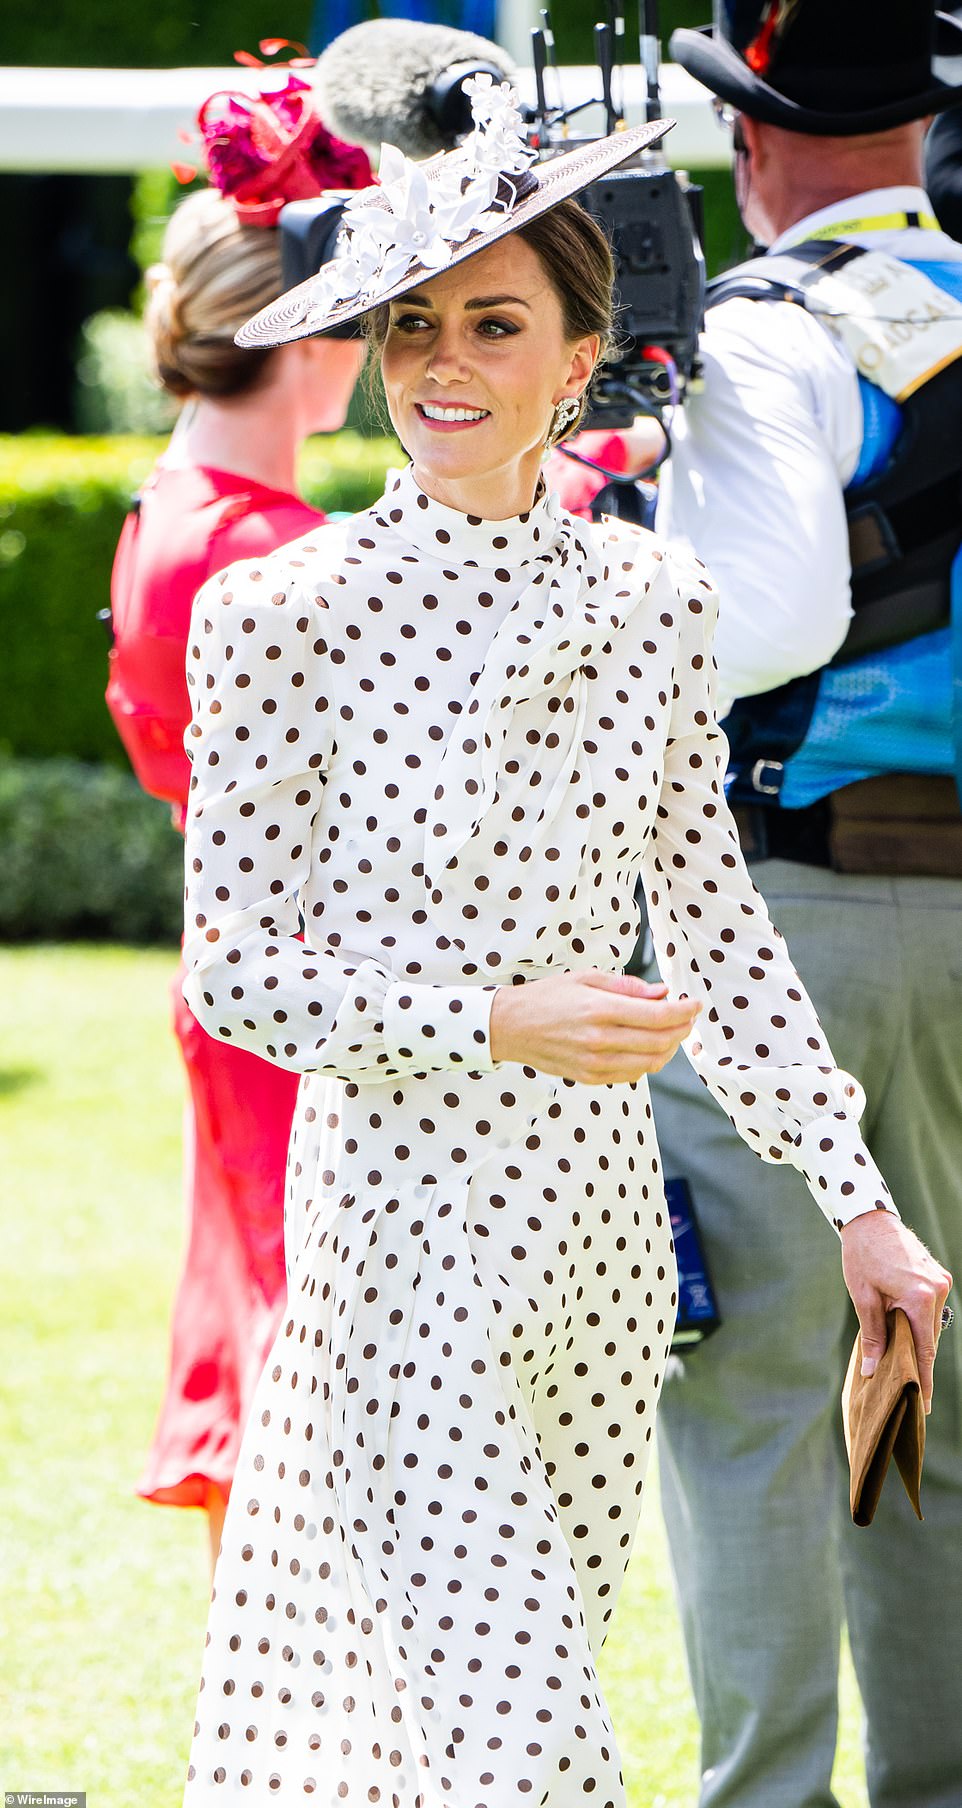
[947, 1317]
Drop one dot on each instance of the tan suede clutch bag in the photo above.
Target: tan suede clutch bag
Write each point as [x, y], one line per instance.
[884, 1417]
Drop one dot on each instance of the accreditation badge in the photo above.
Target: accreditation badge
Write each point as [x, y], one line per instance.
[898, 327]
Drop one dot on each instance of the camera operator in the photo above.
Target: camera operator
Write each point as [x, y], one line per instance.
[827, 507]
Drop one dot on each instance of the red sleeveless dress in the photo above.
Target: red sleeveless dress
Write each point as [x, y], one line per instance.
[186, 525]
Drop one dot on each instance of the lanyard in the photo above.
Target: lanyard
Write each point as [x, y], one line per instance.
[879, 222]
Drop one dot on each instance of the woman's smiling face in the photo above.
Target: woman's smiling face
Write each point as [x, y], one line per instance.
[474, 362]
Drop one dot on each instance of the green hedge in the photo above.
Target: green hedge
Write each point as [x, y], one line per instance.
[62, 505]
[83, 852]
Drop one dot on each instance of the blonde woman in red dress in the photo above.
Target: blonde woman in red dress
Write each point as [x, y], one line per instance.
[224, 489]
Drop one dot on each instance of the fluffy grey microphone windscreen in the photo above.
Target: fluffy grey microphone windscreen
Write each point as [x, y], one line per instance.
[385, 80]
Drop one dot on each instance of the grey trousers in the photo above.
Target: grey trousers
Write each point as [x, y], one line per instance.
[754, 1480]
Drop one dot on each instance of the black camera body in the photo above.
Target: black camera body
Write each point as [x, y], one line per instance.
[309, 232]
[655, 228]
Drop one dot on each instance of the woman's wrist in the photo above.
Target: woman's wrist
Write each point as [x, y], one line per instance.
[503, 1021]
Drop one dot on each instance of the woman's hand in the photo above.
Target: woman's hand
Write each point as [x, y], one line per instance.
[599, 1028]
[885, 1265]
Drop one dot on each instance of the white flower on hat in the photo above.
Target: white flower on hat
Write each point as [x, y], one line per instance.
[497, 142]
[425, 224]
[416, 223]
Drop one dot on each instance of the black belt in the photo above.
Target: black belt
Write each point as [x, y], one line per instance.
[903, 823]
[767, 832]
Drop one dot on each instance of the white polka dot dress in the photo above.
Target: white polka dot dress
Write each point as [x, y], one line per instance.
[431, 756]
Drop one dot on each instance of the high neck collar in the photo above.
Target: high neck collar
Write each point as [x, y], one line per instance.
[445, 533]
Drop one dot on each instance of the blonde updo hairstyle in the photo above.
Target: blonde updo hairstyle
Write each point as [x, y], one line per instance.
[215, 274]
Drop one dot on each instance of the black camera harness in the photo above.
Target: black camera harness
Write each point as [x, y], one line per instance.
[904, 525]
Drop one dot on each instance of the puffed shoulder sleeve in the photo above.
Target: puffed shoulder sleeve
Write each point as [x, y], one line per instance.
[757, 1045]
[260, 743]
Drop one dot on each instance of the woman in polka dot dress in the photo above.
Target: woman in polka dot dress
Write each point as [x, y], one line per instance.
[445, 739]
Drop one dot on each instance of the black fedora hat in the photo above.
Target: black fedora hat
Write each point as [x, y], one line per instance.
[830, 68]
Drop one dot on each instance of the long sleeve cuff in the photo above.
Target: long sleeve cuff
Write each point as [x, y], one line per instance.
[840, 1172]
[439, 1026]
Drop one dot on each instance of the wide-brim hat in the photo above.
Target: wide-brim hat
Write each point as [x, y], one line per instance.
[828, 69]
[523, 192]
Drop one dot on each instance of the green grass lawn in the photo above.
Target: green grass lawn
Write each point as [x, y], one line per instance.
[103, 1596]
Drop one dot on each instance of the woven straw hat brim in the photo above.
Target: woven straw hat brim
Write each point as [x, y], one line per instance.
[286, 319]
[714, 63]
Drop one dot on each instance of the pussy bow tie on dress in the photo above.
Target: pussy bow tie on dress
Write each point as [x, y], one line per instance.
[507, 839]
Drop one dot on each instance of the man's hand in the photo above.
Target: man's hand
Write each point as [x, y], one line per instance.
[885, 1265]
[599, 1028]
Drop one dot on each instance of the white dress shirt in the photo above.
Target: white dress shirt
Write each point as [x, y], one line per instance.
[762, 455]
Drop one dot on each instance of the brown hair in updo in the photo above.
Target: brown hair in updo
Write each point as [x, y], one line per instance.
[577, 260]
[577, 257]
[215, 274]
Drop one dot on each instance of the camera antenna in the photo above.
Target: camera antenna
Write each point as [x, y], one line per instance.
[604, 56]
[552, 57]
[539, 57]
[553, 122]
[616, 20]
[648, 42]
